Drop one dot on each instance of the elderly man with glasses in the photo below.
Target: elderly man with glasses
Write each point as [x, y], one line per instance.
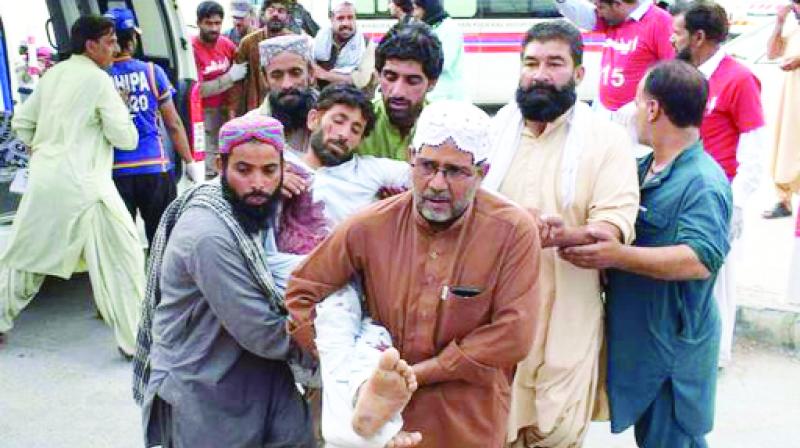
[450, 270]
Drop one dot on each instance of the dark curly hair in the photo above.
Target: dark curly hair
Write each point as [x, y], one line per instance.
[347, 95]
[413, 41]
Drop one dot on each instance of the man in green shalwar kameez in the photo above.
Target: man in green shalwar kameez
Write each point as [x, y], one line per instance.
[71, 217]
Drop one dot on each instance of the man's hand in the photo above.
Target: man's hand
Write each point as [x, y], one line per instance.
[237, 72]
[790, 64]
[602, 254]
[783, 11]
[551, 230]
[293, 183]
[196, 171]
[405, 440]
[388, 191]
[125, 94]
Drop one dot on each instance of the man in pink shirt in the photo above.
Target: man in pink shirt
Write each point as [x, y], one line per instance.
[732, 130]
[213, 55]
[636, 38]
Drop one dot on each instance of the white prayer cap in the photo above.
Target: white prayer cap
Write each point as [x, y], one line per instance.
[240, 8]
[463, 122]
[293, 43]
[336, 4]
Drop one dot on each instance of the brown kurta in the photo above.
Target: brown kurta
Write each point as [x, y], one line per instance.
[405, 265]
[247, 94]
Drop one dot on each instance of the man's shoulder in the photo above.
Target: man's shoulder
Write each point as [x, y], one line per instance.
[252, 39]
[501, 212]
[657, 15]
[198, 224]
[376, 218]
[702, 173]
[734, 72]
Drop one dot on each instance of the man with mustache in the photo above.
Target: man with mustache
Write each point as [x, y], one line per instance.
[409, 61]
[213, 56]
[556, 157]
[286, 62]
[340, 183]
[450, 271]
[244, 18]
[342, 53]
[733, 132]
[663, 326]
[248, 93]
[220, 352]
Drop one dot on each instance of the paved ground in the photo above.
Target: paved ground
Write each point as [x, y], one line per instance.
[62, 384]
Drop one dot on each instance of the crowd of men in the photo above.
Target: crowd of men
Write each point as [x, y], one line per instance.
[399, 269]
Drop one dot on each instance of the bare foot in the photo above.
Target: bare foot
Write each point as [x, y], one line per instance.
[384, 394]
[405, 440]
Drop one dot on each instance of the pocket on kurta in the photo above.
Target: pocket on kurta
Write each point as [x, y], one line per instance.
[459, 315]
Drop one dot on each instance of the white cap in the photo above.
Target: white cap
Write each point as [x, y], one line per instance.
[241, 8]
[292, 43]
[462, 122]
[336, 4]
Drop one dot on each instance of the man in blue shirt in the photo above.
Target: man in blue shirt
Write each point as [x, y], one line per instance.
[663, 326]
[144, 177]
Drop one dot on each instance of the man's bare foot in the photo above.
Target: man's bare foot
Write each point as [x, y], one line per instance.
[405, 440]
[384, 394]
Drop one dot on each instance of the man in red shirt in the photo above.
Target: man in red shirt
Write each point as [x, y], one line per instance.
[635, 40]
[732, 130]
[213, 55]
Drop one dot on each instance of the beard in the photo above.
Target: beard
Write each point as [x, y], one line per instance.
[402, 118]
[545, 103]
[326, 155]
[252, 218]
[209, 37]
[291, 107]
[275, 25]
[684, 55]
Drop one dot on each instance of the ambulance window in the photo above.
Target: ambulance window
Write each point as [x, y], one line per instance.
[460, 9]
[518, 8]
[370, 7]
[155, 32]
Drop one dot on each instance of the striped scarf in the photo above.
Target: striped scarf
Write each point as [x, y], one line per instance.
[208, 195]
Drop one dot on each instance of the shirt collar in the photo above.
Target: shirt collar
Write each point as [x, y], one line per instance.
[712, 64]
[687, 154]
[641, 10]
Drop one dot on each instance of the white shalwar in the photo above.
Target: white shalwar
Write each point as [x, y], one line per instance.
[348, 343]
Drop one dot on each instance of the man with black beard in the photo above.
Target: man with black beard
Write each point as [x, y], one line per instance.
[338, 183]
[248, 93]
[286, 62]
[220, 354]
[574, 171]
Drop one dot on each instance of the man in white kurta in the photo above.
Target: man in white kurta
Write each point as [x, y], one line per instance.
[71, 217]
[338, 183]
[555, 156]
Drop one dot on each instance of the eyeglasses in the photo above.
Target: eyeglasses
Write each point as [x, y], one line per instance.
[429, 168]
